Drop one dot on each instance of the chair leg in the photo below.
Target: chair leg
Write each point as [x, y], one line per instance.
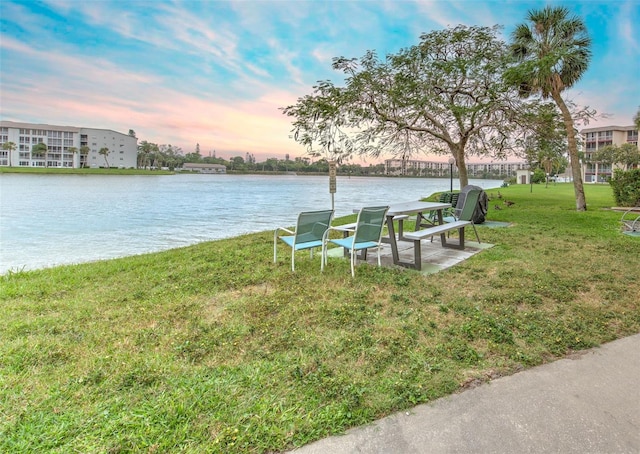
[353, 259]
[293, 258]
[476, 232]
[275, 249]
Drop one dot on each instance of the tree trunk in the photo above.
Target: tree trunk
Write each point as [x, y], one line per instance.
[462, 167]
[576, 173]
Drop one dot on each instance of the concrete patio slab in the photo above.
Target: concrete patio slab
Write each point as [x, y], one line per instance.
[435, 258]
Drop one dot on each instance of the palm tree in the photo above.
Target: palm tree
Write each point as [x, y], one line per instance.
[550, 162]
[553, 52]
[84, 151]
[72, 150]
[40, 149]
[146, 149]
[104, 152]
[9, 147]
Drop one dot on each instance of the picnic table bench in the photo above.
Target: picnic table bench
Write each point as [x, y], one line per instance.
[439, 229]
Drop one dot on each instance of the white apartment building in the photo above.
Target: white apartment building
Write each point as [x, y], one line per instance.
[596, 138]
[60, 141]
[411, 167]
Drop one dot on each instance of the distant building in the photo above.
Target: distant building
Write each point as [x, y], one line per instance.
[411, 167]
[204, 168]
[123, 148]
[597, 138]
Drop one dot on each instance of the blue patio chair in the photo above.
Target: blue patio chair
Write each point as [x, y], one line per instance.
[308, 234]
[366, 234]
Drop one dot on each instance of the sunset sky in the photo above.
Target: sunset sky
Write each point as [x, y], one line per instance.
[217, 72]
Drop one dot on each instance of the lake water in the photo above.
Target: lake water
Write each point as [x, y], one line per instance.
[48, 220]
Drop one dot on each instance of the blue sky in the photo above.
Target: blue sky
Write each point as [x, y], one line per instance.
[217, 72]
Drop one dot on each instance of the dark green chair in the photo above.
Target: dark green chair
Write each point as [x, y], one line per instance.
[449, 213]
[469, 208]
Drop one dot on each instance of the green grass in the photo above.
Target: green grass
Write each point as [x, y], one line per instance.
[213, 348]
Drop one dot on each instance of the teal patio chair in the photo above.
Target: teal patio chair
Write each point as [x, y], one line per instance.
[366, 234]
[308, 234]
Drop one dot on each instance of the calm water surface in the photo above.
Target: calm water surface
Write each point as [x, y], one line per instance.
[48, 220]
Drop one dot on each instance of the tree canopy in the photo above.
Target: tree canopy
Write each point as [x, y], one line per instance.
[625, 155]
[445, 95]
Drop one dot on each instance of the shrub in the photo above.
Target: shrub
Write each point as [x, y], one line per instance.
[539, 176]
[626, 187]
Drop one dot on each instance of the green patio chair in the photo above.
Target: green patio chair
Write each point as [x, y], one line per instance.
[308, 234]
[469, 208]
[449, 213]
[466, 212]
[366, 234]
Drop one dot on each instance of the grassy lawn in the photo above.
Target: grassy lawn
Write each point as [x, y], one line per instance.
[213, 348]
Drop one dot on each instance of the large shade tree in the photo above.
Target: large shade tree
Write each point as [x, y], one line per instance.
[445, 96]
[553, 50]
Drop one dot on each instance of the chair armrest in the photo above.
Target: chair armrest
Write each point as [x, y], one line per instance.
[291, 232]
[344, 228]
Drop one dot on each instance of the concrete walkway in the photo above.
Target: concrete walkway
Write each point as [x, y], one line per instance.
[587, 403]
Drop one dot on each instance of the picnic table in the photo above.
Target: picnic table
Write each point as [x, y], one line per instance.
[418, 208]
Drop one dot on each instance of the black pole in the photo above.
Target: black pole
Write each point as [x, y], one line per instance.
[531, 181]
[451, 177]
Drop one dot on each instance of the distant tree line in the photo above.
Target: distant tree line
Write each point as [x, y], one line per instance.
[154, 156]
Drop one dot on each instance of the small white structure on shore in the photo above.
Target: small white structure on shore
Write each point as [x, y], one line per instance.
[204, 168]
[523, 176]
